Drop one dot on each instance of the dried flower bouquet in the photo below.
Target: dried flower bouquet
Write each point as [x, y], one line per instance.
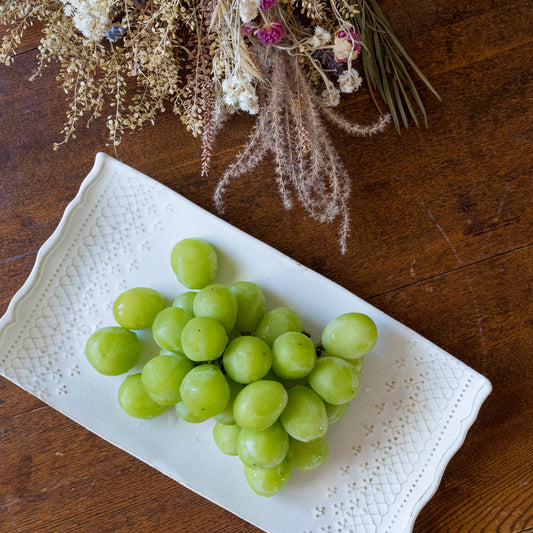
[285, 61]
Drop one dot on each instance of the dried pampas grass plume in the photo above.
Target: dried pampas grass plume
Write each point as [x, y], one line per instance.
[289, 126]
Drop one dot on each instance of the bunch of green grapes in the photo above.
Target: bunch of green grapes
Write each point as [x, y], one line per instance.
[271, 391]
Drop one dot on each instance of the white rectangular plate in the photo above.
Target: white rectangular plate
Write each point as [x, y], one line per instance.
[388, 453]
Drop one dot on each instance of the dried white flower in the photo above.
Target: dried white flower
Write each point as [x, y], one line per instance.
[239, 92]
[248, 101]
[91, 17]
[331, 97]
[320, 38]
[322, 35]
[350, 81]
[313, 42]
[248, 10]
[344, 49]
[229, 89]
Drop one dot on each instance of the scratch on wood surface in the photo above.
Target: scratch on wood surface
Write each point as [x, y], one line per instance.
[467, 276]
[14, 258]
[478, 314]
[496, 218]
[412, 268]
[55, 486]
[441, 230]
[9, 517]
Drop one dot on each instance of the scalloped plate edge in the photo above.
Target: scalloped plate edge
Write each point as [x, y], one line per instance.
[483, 391]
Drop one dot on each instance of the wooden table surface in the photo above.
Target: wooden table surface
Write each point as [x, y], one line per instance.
[442, 240]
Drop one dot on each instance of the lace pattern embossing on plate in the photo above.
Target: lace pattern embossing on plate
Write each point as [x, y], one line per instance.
[410, 419]
[386, 455]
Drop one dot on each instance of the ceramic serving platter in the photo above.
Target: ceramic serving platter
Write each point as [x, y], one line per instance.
[388, 453]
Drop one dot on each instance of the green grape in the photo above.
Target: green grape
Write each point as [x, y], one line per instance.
[287, 383]
[293, 355]
[350, 336]
[265, 448]
[276, 322]
[251, 305]
[203, 339]
[194, 261]
[186, 415]
[308, 456]
[268, 481]
[135, 401]
[218, 302]
[233, 334]
[259, 404]
[270, 376]
[334, 380]
[113, 350]
[335, 412]
[167, 327]
[305, 417]
[178, 354]
[226, 416]
[162, 377]
[247, 359]
[136, 308]
[225, 437]
[185, 301]
[357, 364]
[205, 391]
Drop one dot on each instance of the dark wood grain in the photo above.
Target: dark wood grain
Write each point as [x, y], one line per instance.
[442, 240]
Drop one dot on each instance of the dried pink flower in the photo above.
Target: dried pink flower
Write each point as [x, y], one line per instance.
[267, 4]
[272, 33]
[351, 37]
[246, 30]
[347, 45]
